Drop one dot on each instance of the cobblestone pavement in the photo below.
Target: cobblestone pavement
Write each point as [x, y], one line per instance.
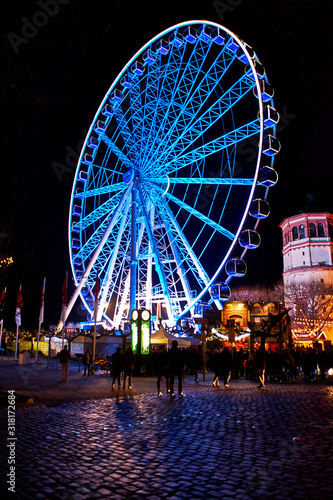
[240, 443]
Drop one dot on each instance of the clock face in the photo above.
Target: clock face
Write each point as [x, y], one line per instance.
[134, 315]
[145, 315]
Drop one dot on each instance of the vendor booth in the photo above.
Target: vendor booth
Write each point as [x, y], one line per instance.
[163, 337]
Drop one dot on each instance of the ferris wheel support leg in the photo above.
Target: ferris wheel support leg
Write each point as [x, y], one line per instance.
[134, 257]
[94, 258]
[158, 263]
[112, 262]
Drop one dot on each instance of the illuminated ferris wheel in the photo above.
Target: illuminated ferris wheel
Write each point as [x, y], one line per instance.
[166, 197]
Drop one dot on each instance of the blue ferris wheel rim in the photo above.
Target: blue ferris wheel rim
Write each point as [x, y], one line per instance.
[165, 182]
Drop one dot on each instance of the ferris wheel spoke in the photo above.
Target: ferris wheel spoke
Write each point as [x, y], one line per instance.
[122, 297]
[209, 181]
[121, 186]
[145, 131]
[115, 150]
[218, 144]
[136, 113]
[196, 128]
[186, 252]
[123, 130]
[199, 215]
[108, 252]
[97, 251]
[89, 246]
[108, 258]
[173, 104]
[158, 264]
[112, 260]
[191, 100]
[121, 266]
[190, 93]
[98, 213]
[171, 74]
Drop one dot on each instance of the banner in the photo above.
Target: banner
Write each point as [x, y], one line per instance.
[19, 306]
[41, 313]
[2, 301]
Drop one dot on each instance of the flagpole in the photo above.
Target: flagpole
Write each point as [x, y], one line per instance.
[63, 311]
[1, 328]
[38, 335]
[2, 300]
[41, 318]
[16, 343]
[18, 318]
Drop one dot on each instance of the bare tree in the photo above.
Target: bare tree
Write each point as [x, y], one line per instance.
[311, 303]
[258, 293]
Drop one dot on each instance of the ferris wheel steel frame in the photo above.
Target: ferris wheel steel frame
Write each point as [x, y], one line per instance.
[174, 129]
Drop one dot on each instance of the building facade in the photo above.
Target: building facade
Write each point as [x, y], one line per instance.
[307, 248]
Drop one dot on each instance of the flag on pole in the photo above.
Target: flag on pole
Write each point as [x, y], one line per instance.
[19, 307]
[64, 299]
[96, 292]
[2, 301]
[41, 313]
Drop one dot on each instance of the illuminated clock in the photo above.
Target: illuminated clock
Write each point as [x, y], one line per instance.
[145, 315]
[135, 315]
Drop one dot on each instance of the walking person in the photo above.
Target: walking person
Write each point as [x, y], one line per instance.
[260, 361]
[87, 362]
[116, 367]
[176, 364]
[196, 364]
[161, 368]
[226, 366]
[216, 367]
[64, 357]
[128, 363]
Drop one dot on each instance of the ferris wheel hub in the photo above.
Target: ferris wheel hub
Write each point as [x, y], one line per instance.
[128, 175]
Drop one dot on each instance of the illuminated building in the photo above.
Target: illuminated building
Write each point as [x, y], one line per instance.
[308, 259]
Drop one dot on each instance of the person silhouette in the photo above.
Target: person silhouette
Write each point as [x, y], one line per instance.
[176, 364]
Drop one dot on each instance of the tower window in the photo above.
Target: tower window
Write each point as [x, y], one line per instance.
[312, 230]
[295, 233]
[321, 230]
[301, 231]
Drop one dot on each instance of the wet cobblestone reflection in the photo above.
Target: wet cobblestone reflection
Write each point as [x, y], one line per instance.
[240, 444]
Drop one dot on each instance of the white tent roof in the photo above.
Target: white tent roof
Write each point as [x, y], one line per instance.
[163, 337]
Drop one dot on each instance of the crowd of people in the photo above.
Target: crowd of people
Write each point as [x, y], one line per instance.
[277, 365]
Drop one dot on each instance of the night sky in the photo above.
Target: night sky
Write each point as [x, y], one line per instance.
[53, 78]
